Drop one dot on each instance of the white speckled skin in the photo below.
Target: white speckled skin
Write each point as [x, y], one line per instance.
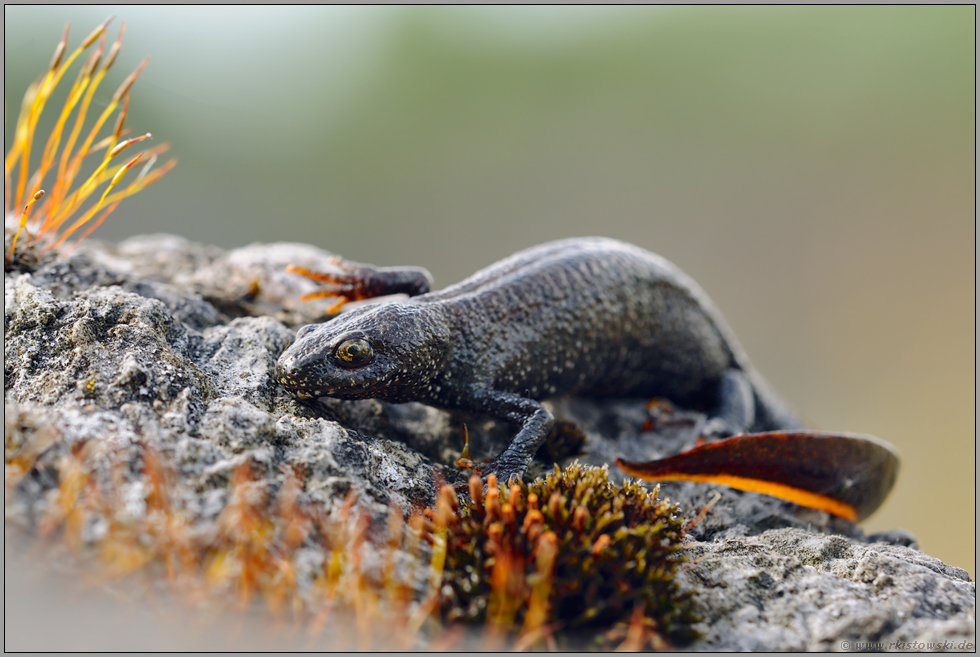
[589, 316]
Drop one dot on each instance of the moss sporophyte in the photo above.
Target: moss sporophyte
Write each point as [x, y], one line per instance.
[49, 218]
[561, 555]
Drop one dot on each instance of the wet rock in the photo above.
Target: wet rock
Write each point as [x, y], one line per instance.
[162, 346]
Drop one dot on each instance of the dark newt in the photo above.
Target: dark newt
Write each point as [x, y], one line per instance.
[589, 316]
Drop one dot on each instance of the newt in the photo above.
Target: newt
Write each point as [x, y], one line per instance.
[587, 316]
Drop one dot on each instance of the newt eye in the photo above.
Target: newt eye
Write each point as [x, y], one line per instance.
[354, 353]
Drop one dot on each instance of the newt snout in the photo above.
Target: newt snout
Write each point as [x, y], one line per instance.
[298, 379]
[298, 369]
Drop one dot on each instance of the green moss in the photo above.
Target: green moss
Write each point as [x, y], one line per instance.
[571, 552]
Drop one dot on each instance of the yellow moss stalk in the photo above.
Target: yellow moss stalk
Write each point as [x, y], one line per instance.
[23, 219]
[65, 204]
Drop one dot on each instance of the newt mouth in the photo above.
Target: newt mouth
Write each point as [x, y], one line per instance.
[297, 382]
[303, 392]
[297, 389]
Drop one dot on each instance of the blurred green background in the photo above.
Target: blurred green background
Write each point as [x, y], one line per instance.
[812, 168]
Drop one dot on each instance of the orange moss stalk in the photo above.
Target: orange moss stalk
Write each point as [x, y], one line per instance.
[565, 553]
[65, 201]
[250, 554]
[115, 179]
[23, 220]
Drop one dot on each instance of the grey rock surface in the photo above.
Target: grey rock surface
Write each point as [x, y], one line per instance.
[790, 589]
[159, 343]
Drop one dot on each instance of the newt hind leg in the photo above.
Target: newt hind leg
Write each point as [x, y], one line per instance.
[356, 282]
[735, 412]
[736, 401]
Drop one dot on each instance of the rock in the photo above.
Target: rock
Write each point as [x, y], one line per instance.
[335, 458]
[162, 348]
[120, 340]
[791, 590]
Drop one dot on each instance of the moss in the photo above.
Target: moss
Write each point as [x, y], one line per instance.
[54, 219]
[567, 553]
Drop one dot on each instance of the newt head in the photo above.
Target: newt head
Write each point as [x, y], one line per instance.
[389, 351]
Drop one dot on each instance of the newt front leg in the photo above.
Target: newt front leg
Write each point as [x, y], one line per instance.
[535, 422]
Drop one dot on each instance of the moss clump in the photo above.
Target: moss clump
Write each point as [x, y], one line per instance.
[570, 552]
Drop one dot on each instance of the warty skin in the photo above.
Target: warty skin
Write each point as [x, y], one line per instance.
[587, 316]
